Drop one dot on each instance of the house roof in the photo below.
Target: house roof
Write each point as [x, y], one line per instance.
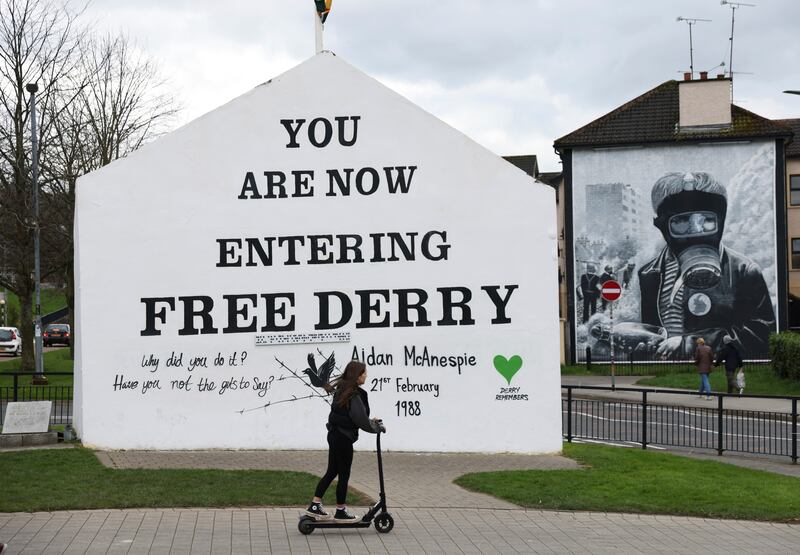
[793, 148]
[653, 118]
[526, 163]
[551, 178]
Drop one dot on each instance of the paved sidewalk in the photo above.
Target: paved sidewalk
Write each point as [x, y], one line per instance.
[689, 399]
[271, 530]
[432, 516]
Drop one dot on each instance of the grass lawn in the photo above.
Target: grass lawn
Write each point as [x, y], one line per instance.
[760, 381]
[54, 361]
[636, 481]
[63, 479]
[52, 300]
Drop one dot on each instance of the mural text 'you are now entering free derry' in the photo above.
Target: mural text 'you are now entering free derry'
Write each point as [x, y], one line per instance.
[320, 217]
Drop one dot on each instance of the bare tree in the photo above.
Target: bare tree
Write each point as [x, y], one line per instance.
[119, 103]
[38, 40]
[98, 100]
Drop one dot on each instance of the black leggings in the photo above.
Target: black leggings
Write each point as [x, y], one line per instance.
[340, 459]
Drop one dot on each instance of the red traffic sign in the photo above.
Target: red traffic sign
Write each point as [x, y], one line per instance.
[611, 290]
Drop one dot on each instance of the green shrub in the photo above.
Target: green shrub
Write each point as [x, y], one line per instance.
[784, 349]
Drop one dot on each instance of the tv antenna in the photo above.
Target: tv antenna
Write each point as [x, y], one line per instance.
[734, 6]
[691, 21]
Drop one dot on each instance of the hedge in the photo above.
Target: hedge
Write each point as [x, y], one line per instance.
[784, 349]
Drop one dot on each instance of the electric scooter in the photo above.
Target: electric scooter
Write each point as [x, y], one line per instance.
[383, 520]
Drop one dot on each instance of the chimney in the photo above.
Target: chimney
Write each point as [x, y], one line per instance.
[687, 76]
[704, 103]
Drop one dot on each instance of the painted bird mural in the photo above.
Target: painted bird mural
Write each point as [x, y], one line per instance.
[320, 377]
[323, 8]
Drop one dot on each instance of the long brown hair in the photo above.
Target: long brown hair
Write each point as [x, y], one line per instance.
[347, 382]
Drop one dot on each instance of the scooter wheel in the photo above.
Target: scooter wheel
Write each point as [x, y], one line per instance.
[384, 523]
[304, 525]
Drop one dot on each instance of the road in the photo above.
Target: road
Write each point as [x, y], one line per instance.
[744, 430]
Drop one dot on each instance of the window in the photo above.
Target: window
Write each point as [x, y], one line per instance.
[794, 190]
[795, 254]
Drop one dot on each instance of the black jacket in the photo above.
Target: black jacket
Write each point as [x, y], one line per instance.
[348, 420]
[731, 356]
[740, 304]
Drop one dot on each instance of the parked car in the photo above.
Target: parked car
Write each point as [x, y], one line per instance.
[10, 341]
[56, 334]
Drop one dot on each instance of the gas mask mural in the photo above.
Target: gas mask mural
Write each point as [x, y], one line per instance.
[691, 212]
[696, 287]
[691, 235]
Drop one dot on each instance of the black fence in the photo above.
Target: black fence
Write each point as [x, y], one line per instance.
[644, 364]
[637, 419]
[23, 390]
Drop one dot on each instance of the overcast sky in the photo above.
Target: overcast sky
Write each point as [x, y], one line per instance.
[512, 74]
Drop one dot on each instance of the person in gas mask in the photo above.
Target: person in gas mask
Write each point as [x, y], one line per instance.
[697, 287]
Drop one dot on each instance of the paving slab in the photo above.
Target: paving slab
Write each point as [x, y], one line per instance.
[419, 530]
[432, 515]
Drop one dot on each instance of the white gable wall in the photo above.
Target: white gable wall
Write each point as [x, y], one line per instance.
[147, 227]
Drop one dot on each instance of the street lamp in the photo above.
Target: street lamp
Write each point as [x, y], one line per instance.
[39, 377]
[792, 92]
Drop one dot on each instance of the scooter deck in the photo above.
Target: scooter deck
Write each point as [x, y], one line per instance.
[339, 524]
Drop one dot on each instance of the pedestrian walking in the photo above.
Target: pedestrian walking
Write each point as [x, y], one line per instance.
[730, 355]
[349, 413]
[703, 360]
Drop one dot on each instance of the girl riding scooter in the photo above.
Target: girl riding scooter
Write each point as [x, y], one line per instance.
[349, 413]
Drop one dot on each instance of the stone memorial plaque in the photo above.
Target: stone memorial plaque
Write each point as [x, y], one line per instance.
[28, 417]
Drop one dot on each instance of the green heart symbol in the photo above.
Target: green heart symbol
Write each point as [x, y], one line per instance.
[508, 367]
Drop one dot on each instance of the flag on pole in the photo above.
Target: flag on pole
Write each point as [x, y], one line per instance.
[323, 8]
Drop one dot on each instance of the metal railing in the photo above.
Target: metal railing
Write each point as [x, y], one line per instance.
[717, 427]
[60, 395]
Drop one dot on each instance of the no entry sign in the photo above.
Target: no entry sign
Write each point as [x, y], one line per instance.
[610, 290]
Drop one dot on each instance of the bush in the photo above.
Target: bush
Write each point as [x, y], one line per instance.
[784, 349]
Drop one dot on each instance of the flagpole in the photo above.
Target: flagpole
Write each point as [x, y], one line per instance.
[318, 30]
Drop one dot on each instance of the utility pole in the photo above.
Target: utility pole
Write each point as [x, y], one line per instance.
[39, 377]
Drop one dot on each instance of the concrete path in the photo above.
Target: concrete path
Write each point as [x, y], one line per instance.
[689, 399]
[431, 514]
[412, 479]
[271, 530]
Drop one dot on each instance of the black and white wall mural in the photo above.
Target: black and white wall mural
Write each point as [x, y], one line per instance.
[690, 233]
